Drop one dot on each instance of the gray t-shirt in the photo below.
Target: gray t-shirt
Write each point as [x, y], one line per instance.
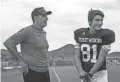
[34, 47]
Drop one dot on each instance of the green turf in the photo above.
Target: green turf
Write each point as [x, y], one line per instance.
[66, 74]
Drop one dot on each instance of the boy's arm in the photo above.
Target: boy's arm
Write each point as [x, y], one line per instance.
[102, 56]
[78, 63]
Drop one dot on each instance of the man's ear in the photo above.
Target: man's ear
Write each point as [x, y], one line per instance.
[90, 22]
[35, 18]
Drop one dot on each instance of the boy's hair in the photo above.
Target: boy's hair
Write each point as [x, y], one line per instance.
[92, 13]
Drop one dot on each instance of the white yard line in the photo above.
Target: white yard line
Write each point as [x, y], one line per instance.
[56, 74]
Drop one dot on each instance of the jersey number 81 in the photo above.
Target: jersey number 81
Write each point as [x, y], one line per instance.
[87, 53]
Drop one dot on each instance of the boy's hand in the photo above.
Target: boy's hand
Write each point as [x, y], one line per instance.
[88, 77]
[82, 74]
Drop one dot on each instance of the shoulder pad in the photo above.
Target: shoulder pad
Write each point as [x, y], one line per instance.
[107, 32]
[80, 30]
[78, 33]
[108, 36]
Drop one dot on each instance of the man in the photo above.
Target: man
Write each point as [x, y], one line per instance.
[93, 44]
[34, 48]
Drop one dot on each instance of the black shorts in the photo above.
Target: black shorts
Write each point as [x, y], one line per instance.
[33, 76]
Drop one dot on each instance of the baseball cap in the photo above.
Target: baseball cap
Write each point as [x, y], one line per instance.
[92, 13]
[40, 11]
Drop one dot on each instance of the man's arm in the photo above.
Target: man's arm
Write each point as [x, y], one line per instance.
[9, 44]
[78, 63]
[14, 40]
[102, 56]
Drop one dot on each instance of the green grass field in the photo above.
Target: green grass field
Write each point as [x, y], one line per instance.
[65, 74]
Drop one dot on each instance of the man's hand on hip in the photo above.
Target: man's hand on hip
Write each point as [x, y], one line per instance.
[24, 67]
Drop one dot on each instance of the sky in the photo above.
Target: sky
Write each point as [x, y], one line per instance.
[67, 16]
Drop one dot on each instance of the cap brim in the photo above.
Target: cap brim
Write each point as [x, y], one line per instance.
[48, 12]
